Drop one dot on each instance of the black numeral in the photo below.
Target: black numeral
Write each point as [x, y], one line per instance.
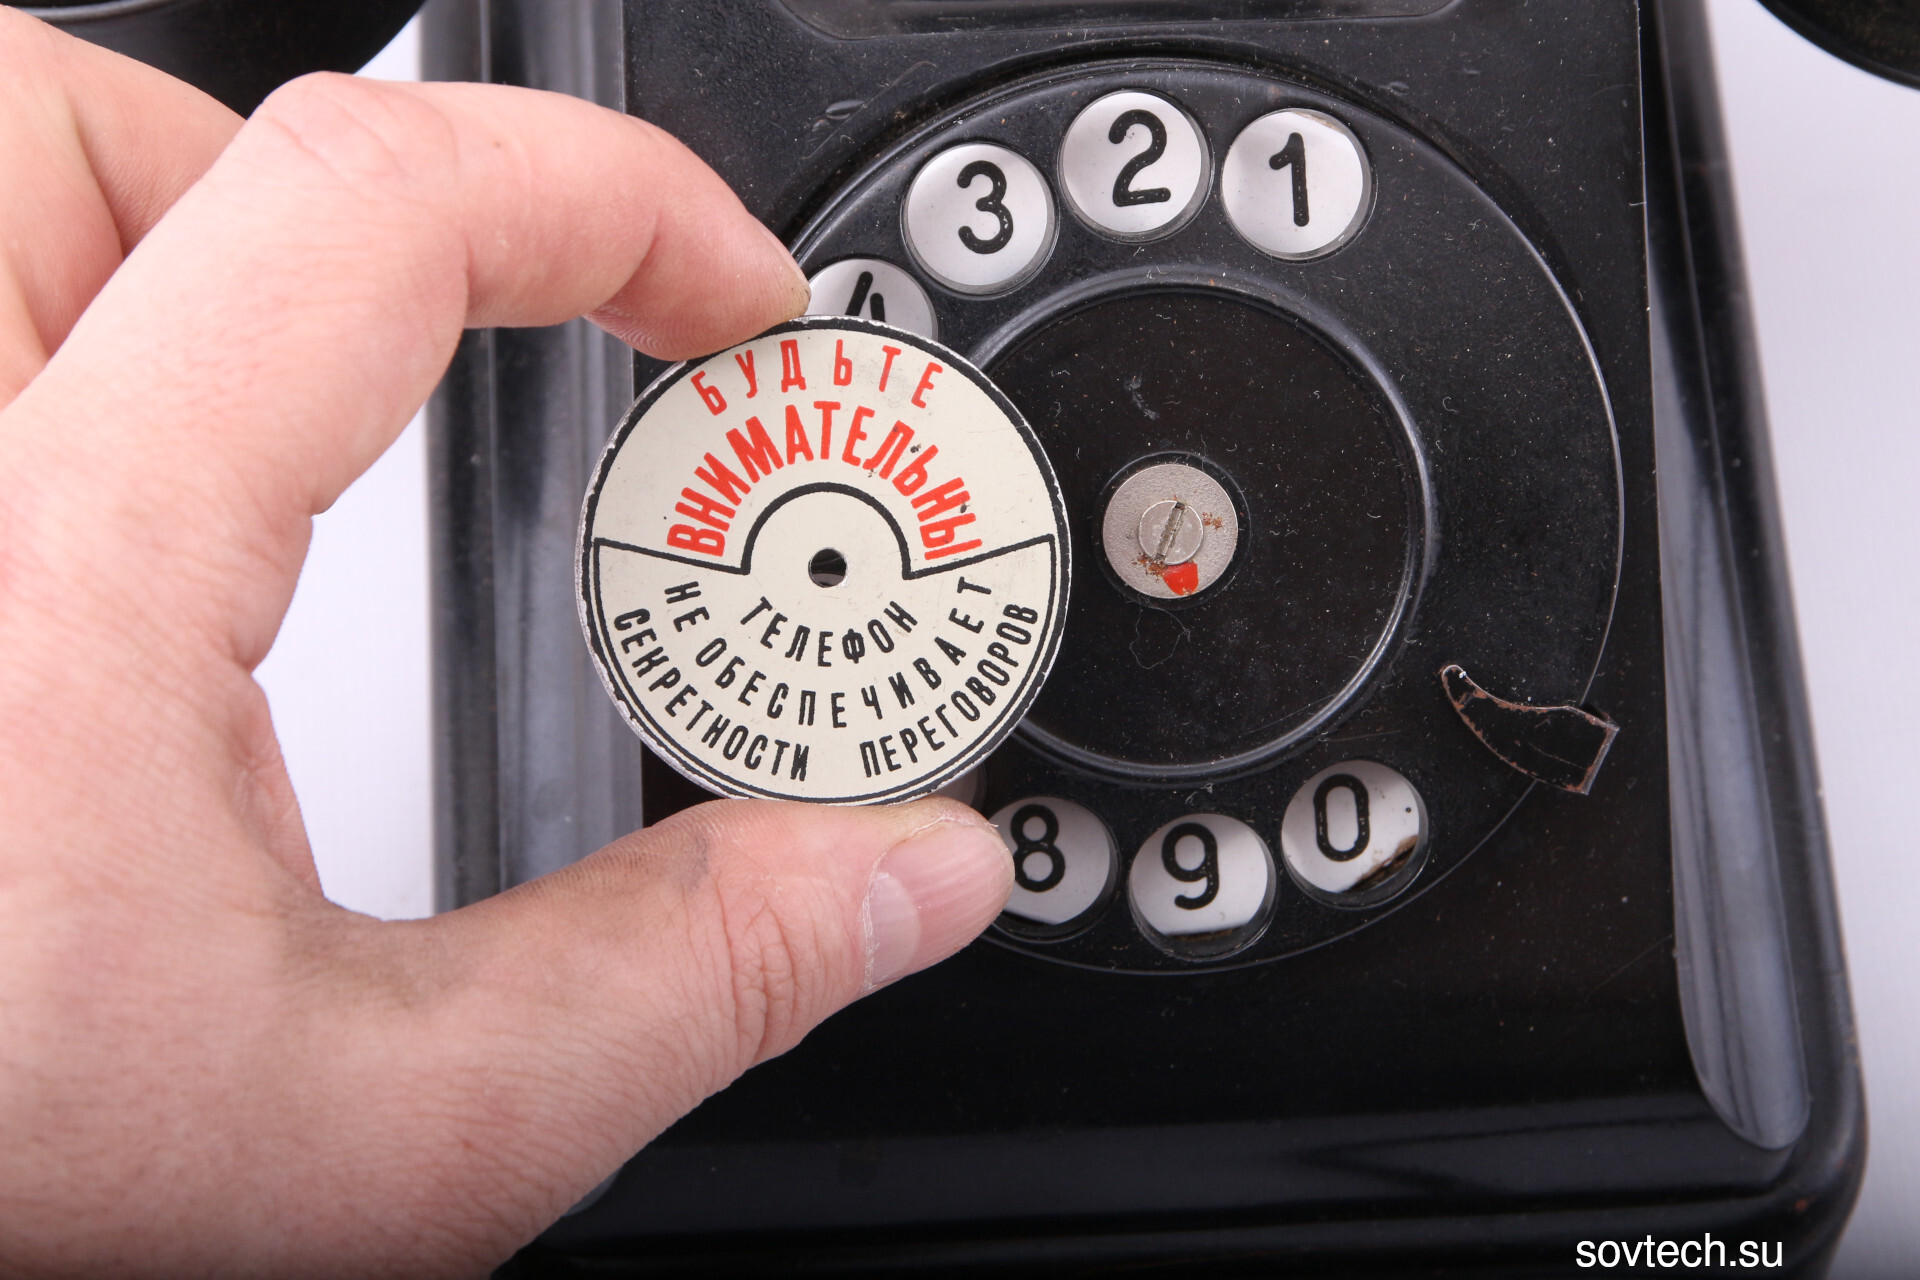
[865, 298]
[1359, 790]
[1123, 192]
[994, 202]
[1208, 870]
[1024, 845]
[1294, 156]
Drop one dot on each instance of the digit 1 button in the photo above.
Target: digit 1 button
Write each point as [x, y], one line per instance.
[978, 218]
[1354, 833]
[873, 289]
[1134, 165]
[1296, 184]
[1063, 860]
[1202, 885]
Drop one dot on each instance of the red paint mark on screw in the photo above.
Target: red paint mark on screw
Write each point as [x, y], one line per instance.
[1182, 579]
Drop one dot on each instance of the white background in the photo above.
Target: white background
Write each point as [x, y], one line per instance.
[1827, 165]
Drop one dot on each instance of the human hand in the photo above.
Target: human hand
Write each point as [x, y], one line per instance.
[205, 1067]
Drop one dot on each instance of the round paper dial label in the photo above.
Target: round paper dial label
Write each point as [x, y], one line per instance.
[827, 564]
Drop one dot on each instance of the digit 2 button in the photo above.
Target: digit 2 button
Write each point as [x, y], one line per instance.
[873, 289]
[1296, 184]
[1354, 833]
[1134, 166]
[1063, 865]
[1202, 886]
[978, 218]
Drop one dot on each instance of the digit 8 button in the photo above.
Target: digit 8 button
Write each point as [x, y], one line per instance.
[1063, 866]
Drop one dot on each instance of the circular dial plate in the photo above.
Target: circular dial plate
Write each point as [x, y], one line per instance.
[827, 564]
[1483, 443]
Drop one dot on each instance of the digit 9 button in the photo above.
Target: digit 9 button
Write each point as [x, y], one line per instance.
[1202, 886]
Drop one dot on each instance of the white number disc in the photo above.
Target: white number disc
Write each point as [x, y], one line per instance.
[873, 289]
[1206, 873]
[1062, 858]
[1296, 184]
[1134, 165]
[1352, 825]
[979, 218]
[827, 564]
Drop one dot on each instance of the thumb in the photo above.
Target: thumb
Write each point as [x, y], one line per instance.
[581, 1014]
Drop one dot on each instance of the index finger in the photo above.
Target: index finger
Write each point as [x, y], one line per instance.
[277, 328]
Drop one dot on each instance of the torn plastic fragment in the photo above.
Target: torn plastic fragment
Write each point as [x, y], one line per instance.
[1561, 746]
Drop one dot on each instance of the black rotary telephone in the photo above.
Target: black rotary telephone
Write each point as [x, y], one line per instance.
[1424, 879]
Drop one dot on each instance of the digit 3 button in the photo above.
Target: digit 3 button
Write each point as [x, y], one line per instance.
[1134, 166]
[1296, 184]
[1063, 865]
[978, 218]
[876, 290]
[1202, 886]
[1354, 834]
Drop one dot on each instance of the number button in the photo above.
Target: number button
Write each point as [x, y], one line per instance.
[1063, 859]
[1296, 184]
[1134, 165]
[873, 289]
[1353, 829]
[1204, 874]
[979, 218]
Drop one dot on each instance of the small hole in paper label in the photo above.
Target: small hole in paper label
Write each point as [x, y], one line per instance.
[828, 568]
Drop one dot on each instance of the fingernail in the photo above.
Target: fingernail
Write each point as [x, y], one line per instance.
[800, 293]
[932, 894]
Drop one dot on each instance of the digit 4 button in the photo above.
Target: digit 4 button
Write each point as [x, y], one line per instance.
[873, 289]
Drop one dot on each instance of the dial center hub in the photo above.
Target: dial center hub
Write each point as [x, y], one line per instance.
[1170, 530]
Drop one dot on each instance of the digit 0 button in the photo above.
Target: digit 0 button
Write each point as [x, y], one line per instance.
[1354, 833]
[1202, 885]
[978, 218]
[873, 289]
[1296, 184]
[1063, 861]
[1134, 165]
